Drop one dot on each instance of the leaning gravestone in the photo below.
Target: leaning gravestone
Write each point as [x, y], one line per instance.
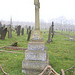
[22, 31]
[18, 30]
[36, 58]
[3, 34]
[51, 33]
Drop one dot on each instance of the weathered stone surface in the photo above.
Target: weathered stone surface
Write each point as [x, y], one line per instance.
[22, 31]
[0, 24]
[33, 67]
[18, 30]
[35, 55]
[29, 34]
[3, 34]
[36, 35]
[36, 46]
[9, 32]
[1, 28]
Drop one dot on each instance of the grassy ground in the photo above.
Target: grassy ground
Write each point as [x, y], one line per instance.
[61, 53]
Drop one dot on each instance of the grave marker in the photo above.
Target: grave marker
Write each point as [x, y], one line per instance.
[22, 31]
[36, 58]
[18, 30]
[3, 34]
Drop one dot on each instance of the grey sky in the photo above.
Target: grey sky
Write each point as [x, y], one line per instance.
[24, 10]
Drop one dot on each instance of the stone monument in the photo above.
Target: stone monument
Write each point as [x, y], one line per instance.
[9, 32]
[22, 31]
[36, 58]
[10, 29]
[18, 30]
[3, 34]
[0, 24]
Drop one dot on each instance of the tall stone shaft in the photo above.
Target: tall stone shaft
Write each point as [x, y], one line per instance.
[37, 6]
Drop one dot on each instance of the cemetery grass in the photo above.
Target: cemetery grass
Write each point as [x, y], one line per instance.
[61, 53]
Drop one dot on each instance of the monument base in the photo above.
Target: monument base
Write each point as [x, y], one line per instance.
[34, 67]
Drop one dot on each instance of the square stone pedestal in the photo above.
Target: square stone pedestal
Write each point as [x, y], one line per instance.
[33, 67]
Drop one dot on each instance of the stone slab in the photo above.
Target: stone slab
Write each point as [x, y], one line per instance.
[35, 55]
[29, 67]
[36, 46]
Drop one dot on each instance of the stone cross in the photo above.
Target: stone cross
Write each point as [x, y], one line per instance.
[37, 6]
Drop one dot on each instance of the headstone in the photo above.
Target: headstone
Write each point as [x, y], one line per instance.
[49, 36]
[3, 34]
[27, 30]
[52, 29]
[18, 30]
[9, 32]
[36, 58]
[1, 28]
[51, 33]
[22, 31]
[0, 24]
[29, 34]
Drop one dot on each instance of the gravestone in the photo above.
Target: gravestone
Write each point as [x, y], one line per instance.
[52, 29]
[22, 31]
[1, 28]
[18, 30]
[3, 34]
[29, 34]
[9, 32]
[0, 24]
[36, 58]
[49, 36]
[27, 30]
[51, 33]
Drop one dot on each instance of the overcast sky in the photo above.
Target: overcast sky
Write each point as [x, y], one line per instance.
[24, 10]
